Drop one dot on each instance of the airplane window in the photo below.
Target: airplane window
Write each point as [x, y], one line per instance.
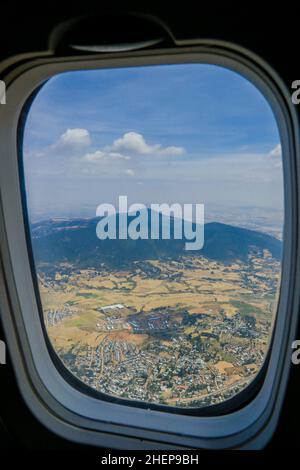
[155, 207]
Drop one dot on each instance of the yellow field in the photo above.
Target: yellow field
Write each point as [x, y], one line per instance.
[208, 288]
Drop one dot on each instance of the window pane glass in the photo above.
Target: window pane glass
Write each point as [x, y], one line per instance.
[155, 202]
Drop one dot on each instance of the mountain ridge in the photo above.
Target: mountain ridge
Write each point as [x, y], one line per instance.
[75, 241]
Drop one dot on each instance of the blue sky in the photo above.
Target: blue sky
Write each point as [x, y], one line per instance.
[176, 133]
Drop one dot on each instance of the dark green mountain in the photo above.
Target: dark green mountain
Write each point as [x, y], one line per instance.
[75, 241]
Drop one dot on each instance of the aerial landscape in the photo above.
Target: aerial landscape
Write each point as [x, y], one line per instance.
[183, 321]
[157, 323]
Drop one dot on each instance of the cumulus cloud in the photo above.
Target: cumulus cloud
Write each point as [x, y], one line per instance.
[75, 153]
[135, 142]
[73, 139]
[111, 159]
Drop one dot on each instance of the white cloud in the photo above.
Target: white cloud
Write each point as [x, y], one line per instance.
[134, 142]
[276, 155]
[73, 139]
[100, 156]
[276, 152]
[111, 160]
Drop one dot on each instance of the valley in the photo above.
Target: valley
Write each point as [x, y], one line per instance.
[184, 332]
